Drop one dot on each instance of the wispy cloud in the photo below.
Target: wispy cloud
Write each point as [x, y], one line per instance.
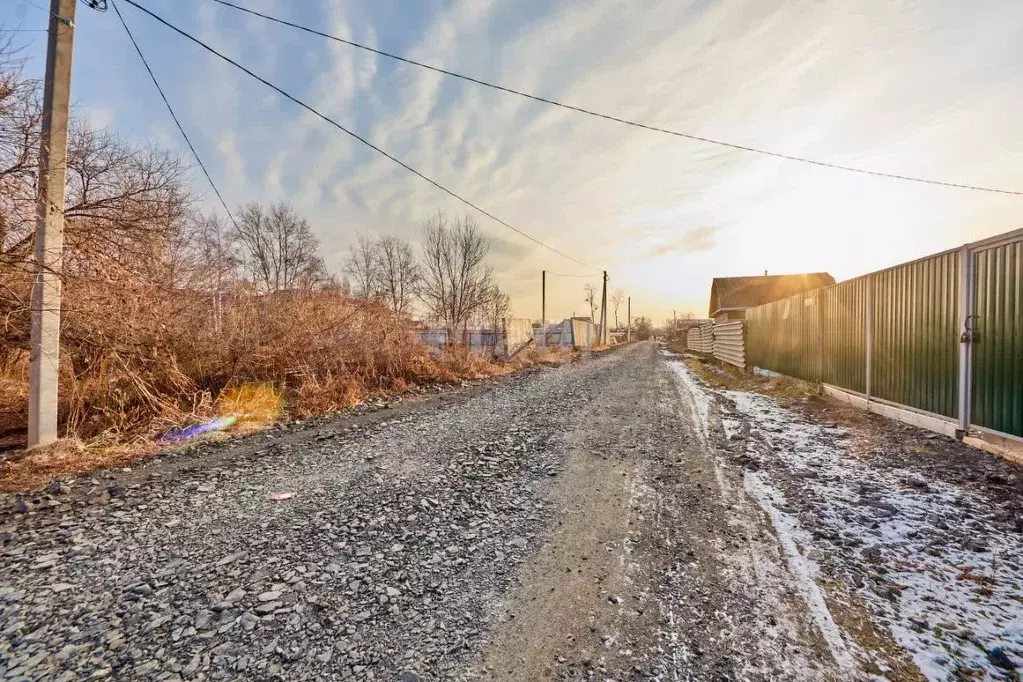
[916, 88]
[696, 239]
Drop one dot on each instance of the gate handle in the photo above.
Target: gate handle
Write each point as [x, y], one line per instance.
[970, 335]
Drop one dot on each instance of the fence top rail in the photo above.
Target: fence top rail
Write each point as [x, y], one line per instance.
[988, 242]
[997, 240]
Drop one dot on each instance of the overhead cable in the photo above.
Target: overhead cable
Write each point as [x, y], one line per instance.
[616, 119]
[174, 116]
[345, 130]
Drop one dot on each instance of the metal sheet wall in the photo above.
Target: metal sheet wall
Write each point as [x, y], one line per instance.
[700, 339]
[844, 334]
[729, 343]
[915, 354]
[998, 345]
[784, 336]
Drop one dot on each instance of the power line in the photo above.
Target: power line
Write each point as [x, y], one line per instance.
[43, 9]
[173, 115]
[588, 274]
[349, 132]
[38, 7]
[616, 119]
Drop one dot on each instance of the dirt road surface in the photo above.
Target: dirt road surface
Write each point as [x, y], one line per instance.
[611, 519]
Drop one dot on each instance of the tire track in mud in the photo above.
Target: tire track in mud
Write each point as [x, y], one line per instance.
[766, 627]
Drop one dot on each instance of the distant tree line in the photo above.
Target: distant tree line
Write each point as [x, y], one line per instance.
[131, 217]
[448, 274]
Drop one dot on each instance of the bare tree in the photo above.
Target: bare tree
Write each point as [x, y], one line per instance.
[495, 311]
[642, 328]
[456, 280]
[20, 115]
[397, 273]
[362, 268]
[277, 248]
[617, 298]
[123, 201]
[591, 299]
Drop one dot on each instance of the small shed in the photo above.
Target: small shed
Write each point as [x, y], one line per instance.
[731, 296]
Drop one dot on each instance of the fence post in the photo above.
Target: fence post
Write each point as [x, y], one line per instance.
[870, 337]
[965, 356]
[744, 329]
[819, 316]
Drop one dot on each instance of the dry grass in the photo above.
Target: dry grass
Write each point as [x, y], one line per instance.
[25, 470]
[723, 376]
[168, 360]
[549, 356]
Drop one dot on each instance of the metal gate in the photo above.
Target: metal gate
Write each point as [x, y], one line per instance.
[994, 334]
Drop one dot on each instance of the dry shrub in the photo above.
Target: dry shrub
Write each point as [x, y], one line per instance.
[549, 356]
[259, 403]
[137, 358]
[458, 363]
[13, 395]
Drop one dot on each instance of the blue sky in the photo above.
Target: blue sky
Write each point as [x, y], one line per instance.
[930, 88]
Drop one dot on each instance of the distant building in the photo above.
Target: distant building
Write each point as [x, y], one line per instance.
[730, 296]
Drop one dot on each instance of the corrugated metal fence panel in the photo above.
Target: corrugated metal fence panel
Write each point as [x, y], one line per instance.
[783, 336]
[844, 334]
[693, 338]
[998, 347]
[707, 338]
[915, 336]
[700, 339]
[729, 343]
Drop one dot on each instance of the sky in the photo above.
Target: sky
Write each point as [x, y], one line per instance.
[929, 88]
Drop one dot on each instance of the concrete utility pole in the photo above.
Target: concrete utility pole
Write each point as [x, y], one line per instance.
[543, 307]
[49, 241]
[628, 314]
[603, 312]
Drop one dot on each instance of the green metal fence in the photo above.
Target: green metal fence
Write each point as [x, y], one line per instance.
[844, 335]
[941, 335]
[915, 350]
[997, 368]
[783, 336]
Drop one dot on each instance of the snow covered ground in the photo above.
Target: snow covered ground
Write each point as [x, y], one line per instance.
[935, 564]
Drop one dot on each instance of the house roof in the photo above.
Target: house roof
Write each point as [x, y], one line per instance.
[739, 293]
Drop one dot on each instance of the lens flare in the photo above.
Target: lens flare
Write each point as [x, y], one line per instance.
[258, 403]
[252, 405]
[184, 433]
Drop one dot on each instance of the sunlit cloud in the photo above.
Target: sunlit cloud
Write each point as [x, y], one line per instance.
[915, 88]
[690, 241]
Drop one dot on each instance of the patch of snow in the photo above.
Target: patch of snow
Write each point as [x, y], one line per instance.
[695, 395]
[803, 570]
[925, 555]
[731, 425]
[762, 569]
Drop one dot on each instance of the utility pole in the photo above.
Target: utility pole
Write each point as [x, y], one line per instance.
[603, 312]
[49, 239]
[628, 314]
[674, 325]
[543, 307]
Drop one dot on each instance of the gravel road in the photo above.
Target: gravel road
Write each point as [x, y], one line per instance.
[570, 524]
